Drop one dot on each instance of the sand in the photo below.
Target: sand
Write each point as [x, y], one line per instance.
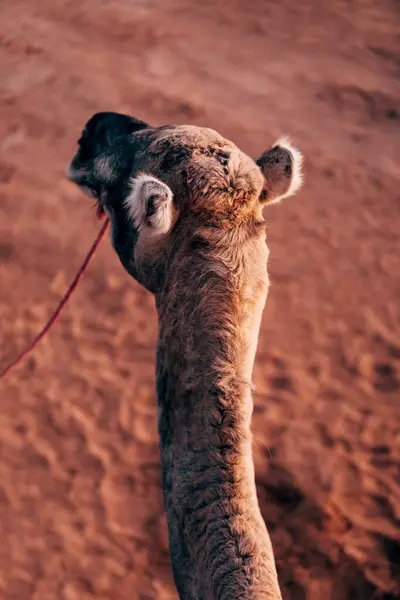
[80, 503]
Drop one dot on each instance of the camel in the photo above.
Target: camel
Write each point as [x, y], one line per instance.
[186, 213]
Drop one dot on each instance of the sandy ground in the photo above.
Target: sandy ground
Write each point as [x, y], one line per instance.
[80, 504]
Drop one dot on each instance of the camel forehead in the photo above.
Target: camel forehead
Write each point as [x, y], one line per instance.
[189, 140]
[191, 135]
[204, 161]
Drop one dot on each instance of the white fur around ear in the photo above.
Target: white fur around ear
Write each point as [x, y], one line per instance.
[150, 205]
[297, 166]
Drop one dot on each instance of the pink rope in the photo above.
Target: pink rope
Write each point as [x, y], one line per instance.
[62, 303]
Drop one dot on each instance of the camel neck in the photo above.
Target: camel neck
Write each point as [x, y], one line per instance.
[204, 361]
[208, 330]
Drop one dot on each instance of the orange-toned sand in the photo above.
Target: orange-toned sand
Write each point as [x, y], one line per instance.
[80, 502]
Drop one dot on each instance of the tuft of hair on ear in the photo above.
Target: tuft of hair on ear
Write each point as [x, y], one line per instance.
[281, 166]
[150, 205]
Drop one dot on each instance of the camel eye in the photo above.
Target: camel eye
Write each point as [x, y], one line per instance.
[92, 191]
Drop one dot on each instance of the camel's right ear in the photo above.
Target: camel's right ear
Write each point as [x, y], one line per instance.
[281, 167]
[150, 205]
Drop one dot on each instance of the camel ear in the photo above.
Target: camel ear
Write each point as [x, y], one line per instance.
[281, 166]
[150, 205]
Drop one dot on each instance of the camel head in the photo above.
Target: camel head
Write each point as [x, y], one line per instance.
[172, 186]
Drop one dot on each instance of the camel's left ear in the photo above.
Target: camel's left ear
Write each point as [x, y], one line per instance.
[281, 166]
[150, 205]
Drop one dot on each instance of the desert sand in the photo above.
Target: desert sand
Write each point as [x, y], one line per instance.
[80, 502]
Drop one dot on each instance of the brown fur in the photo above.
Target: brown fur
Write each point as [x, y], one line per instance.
[209, 277]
